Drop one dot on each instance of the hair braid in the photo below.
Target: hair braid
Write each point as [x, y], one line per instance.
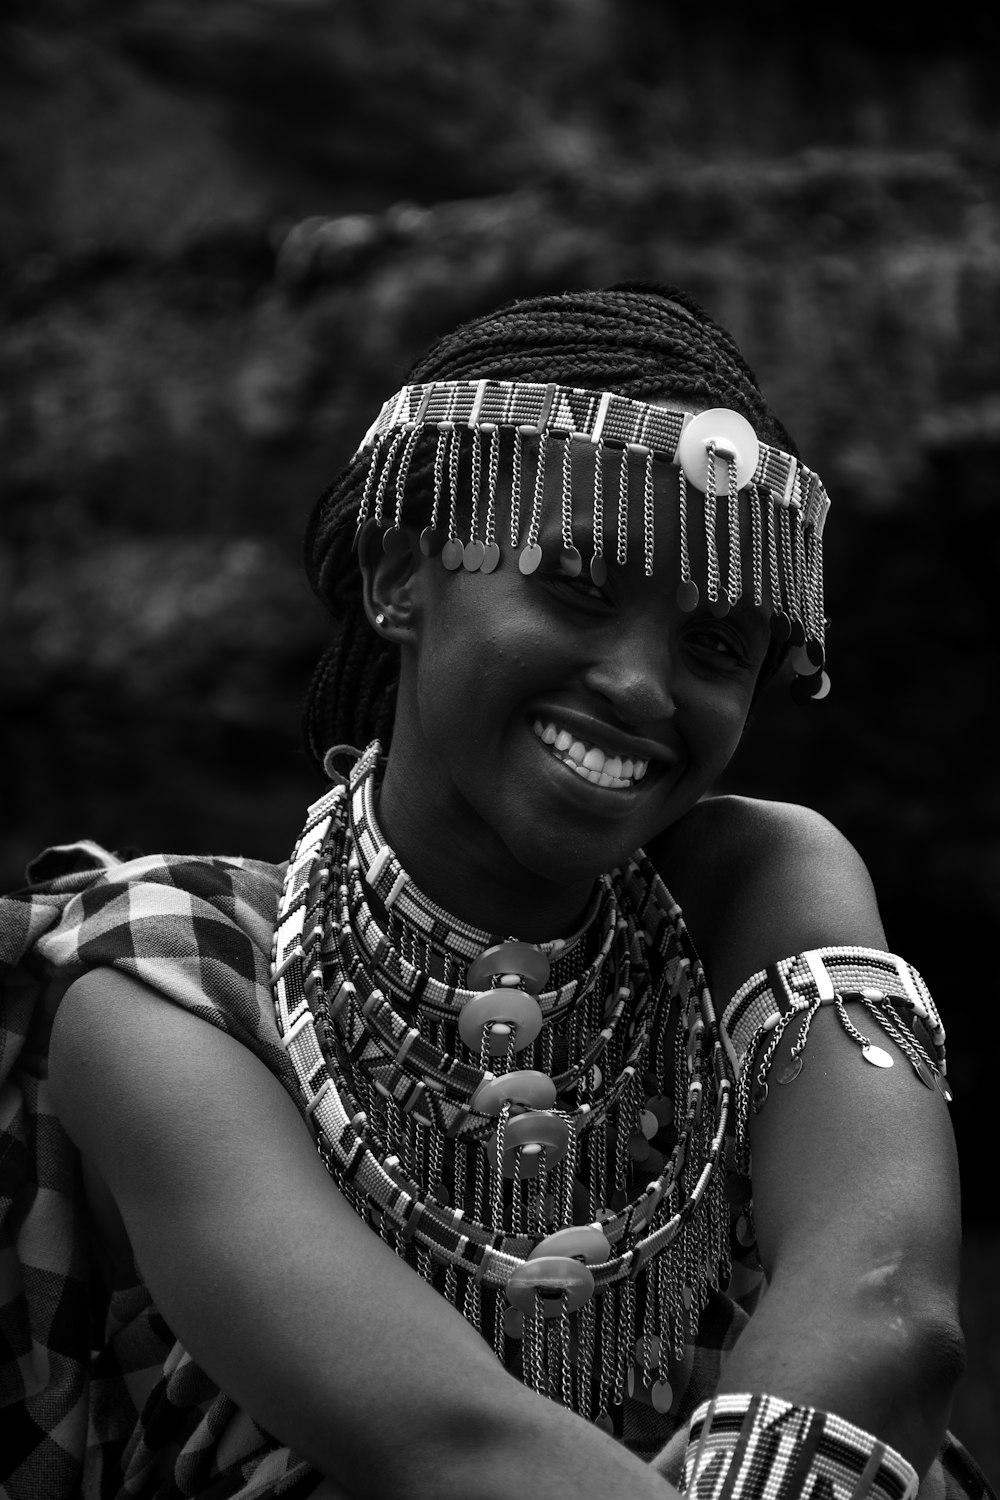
[640, 339]
[352, 695]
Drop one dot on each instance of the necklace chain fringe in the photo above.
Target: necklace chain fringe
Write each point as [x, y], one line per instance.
[549, 1155]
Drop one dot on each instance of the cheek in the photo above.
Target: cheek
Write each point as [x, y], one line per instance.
[491, 631]
[468, 666]
[718, 719]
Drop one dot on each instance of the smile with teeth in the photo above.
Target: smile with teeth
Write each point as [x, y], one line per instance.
[589, 761]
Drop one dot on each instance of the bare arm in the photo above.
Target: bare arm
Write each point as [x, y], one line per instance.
[854, 1169]
[279, 1291]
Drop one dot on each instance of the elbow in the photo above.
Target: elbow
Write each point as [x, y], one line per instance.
[922, 1358]
[935, 1364]
[913, 1315]
[939, 1356]
[912, 1358]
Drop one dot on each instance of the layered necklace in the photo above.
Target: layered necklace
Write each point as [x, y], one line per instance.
[537, 1128]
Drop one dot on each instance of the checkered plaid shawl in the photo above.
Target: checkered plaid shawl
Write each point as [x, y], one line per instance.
[97, 1399]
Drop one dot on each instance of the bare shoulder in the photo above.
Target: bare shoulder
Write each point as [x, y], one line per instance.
[140, 1082]
[758, 880]
[734, 827]
[727, 846]
[115, 1043]
[87, 1037]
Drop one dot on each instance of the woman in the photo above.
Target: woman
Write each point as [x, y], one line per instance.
[563, 563]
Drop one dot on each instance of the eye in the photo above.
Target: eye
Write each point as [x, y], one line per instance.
[719, 645]
[580, 592]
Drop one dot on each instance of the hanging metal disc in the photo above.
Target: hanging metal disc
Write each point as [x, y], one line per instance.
[453, 554]
[472, 557]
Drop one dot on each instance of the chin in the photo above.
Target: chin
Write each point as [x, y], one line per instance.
[567, 861]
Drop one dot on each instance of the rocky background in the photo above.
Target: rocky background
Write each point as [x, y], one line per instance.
[227, 226]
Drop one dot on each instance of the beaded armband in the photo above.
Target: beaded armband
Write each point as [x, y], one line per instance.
[791, 991]
[755, 1447]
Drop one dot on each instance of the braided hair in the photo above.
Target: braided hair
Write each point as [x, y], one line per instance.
[641, 339]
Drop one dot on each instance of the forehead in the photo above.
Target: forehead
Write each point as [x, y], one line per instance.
[608, 485]
[604, 494]
[627, 505]
[614, 499]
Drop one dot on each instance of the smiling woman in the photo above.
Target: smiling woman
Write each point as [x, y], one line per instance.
[602, 655]
[591, 1057]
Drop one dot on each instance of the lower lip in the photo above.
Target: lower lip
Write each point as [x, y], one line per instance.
[614, 796]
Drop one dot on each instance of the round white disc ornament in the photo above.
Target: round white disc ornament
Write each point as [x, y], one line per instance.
[559, 1283]
[734, 440]
[584, 1242]
[521, 1086]
[482, 1011]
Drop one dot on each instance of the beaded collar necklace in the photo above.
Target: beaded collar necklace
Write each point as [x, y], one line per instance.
[418, 928]
[513, 1139]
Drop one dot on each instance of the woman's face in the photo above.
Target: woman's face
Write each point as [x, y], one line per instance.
[510, 682]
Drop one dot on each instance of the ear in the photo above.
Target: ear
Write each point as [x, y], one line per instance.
[387, 580]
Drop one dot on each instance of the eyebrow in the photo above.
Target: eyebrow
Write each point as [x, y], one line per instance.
[750, 617]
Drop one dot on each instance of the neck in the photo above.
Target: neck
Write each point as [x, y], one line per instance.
[472, 875]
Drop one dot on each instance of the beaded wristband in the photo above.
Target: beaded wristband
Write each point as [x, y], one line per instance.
[756, 1447]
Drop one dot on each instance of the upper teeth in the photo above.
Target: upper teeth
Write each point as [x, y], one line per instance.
[590, 761]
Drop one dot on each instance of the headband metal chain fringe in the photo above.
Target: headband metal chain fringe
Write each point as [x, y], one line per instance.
[717, 452]
[623, 481]
[598, 567]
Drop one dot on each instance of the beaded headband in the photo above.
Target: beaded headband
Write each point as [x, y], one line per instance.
[718, 456]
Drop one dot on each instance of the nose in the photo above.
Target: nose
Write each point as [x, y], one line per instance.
[631, 671]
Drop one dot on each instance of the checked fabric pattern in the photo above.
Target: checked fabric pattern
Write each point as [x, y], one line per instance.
[135, 1417]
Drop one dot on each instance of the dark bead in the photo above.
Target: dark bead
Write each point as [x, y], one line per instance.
[803, 689]
[432, 539]
[738, 1189]
[394, 542]
[687, 595]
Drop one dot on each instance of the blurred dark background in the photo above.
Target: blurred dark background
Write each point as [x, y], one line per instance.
[227, 226]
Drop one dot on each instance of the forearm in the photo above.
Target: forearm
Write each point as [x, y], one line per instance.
[856, 1209]
[414, 1405]
[529, 1446]
[279, 1292]
[391, 1395]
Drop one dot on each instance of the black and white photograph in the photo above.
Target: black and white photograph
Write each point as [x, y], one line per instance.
[500, 837]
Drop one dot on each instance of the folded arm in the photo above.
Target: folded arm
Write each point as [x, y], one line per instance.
[855, 1178]
[277, 1289]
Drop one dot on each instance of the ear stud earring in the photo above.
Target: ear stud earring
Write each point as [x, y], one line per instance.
[380, 620]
